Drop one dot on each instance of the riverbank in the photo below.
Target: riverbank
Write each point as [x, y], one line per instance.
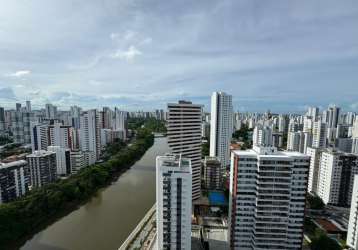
[21, 219]
[106, 220]
[142, 236]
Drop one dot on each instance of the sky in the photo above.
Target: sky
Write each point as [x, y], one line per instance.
[140, 54]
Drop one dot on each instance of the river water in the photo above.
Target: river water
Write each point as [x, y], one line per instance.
[106, 220]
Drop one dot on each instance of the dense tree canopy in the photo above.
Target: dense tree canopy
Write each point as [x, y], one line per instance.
[149, 123]
[243, 135]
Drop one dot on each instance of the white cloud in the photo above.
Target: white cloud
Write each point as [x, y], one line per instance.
[114, 36]
[147, 40]
[95, 83]
[129, 35]
[126, 36]
[20, 73]
[128, 54]
[354, 106]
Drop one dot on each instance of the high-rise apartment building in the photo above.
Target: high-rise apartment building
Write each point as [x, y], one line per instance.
[20, 123]
[61, 135]
[90, 133]
[212, 172]
[77, 161]
[221, 127]
[336, 175]
[28, 106]
[262, 136]
[120, 122]
[267, 199]
[40, 137]
[333, 116]
[313, 112]
[282, 124]
[50, 111]
[14, 181]
[2, 119]
[352, 234]
[313, 176]
[63, 160]
[319, 135]
[295, 141]
[173, 195]
[18, 107]
[75, 113]
[184, 137]
[17, 126]
[42, 167]
[299, 141]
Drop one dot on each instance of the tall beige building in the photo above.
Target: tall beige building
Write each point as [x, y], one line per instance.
[184, 137]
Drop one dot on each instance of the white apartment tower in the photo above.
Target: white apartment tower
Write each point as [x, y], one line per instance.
[40, 137]
[319, 135]
[262, 136]
[63, 160]
[173, 195]
[267, 199]
[184, 137]
[295, 141]
[61, 135]
[352, 235]
[299, 141]
[313, 176]
[221, 127]
[90, 140]
[313, 112]
[120, 122]
[336, 176]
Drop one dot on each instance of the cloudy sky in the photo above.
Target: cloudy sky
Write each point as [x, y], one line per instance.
[273, 54]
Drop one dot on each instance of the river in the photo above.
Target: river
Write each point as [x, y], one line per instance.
[107, 219]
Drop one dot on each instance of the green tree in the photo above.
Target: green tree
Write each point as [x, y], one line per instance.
[243, 135]
[322, 242]
[205, 149]
[314, 202]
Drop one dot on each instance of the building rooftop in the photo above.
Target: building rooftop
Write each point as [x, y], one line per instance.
[184, 102]
[40, 153]
[212, 159]
[173, 160]
[335, 151]
[268, 151]
[12, 164]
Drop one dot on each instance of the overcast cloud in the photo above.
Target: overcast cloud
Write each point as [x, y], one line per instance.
[277, 54]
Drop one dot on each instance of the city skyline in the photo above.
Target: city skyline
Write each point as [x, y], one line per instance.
[123, 54]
